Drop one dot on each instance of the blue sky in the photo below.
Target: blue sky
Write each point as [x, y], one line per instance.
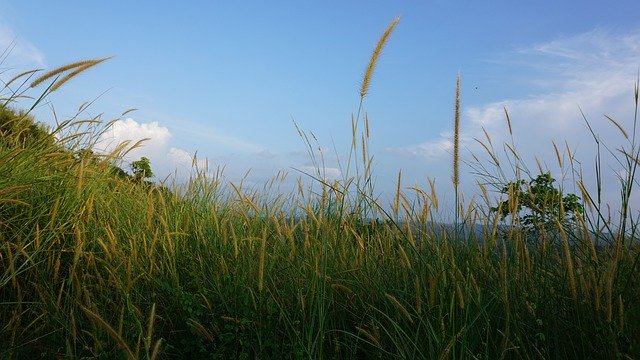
[226, 79]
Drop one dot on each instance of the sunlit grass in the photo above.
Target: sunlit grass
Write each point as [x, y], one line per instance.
[96, 264]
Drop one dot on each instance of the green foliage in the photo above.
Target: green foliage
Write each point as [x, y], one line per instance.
[538, 204]
[18, 128]
[141, 169]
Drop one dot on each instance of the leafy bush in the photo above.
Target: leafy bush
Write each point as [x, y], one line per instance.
[539, 206]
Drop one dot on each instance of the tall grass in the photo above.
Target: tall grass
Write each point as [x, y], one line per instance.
[93, 264]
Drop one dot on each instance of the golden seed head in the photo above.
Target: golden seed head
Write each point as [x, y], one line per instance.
[77, 68]
[456, 136]
[374, 57]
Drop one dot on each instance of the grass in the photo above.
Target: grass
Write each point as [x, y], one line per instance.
[94, 263]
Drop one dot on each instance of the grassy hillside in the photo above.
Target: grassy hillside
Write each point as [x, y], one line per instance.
[96, 263]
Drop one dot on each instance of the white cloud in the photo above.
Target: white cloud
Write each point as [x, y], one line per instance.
[168, 160]
[155, 147]
[328, 173]
[180, 156]
[22, 55]
[589, 48]
[594, 71]
[165, 160]
[157, 138]
[216, 139]
[266, 153]
[433, 149]
[183, 160]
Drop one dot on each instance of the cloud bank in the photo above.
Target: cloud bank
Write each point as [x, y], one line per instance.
[155, 137]
[593, 72]
[169, 160]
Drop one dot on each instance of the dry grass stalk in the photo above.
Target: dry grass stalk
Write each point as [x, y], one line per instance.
[624, 133]
[71, 75]
[263, 247]
[201, 330]
[609, 292]
[405, 259]
[59, 70]
[620, 312]
[366, 125]
[374, 57]
[342, 288]
[96, 319]
[152, 318]
[456, 139]
[569, 260]
[418, 295]
[156, 349]
[79, 67]
[506, 113]
[396, 203]
[8, 83]
[399, 307]
[447, 350]
[458, 280]
[369, 336]
[433, 284]
[434, 196]
[558, 157]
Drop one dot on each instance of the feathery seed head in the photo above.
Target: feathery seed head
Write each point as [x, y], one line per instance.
[456, 136]
[77, 68]
[374, 57]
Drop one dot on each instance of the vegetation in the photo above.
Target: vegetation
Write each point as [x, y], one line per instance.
[142, 168]
[544, 207]
[93, 264]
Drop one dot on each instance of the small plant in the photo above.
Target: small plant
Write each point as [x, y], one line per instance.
[141, 169]
[543, 204]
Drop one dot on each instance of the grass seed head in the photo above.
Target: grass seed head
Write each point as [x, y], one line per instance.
[374, 57]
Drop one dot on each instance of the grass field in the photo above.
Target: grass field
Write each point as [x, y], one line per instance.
[98, 263]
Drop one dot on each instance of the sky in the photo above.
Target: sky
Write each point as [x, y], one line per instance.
[226, 80]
